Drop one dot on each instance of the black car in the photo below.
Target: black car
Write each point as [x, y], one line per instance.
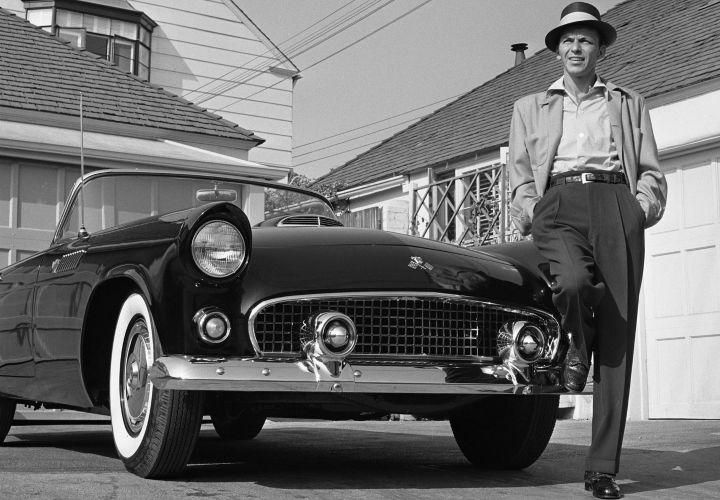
[167, 296]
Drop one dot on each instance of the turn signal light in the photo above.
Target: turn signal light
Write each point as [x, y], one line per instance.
[212, 325]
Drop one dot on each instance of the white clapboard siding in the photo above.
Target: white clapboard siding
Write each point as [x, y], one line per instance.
[205, 43]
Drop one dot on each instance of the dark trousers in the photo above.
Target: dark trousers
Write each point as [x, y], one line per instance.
[592, 236]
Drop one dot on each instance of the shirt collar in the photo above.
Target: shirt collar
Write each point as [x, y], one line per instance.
[559, 85]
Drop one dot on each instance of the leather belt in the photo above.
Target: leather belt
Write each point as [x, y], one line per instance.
[587, 177]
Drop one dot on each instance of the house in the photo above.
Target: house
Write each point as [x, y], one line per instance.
[206, 51]
[97, 56]
[443, 177]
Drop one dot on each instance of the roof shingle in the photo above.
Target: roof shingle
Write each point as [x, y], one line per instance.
[39, 72]
[662, 46]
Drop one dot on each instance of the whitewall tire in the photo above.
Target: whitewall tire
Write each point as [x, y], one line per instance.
[154, 430]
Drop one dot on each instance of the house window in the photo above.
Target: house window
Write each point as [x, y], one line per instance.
[119, 34]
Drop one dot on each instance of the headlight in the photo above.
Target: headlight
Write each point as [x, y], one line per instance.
[218, 249]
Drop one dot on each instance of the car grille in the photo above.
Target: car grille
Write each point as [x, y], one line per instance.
[430, 326]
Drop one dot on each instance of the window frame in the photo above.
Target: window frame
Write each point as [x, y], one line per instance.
[121, 20]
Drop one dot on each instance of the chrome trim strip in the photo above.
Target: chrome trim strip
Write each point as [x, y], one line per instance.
[247, 374]
[392, 294]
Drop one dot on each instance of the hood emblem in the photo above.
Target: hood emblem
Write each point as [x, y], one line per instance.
[416, 262]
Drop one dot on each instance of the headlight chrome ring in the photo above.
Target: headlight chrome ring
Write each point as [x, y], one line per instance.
[218, 249]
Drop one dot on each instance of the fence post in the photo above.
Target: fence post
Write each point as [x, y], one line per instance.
[504, 151]
[412, 216]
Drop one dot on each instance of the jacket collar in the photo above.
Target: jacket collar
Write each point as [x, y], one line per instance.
[553, 104]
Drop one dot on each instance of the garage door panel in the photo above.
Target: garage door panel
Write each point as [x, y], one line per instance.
[701, 280]
[706, 369]
[700, 197]
[672, 381]
[668, 296]
[673, 207]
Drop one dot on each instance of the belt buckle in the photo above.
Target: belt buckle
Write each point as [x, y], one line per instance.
[586, 177]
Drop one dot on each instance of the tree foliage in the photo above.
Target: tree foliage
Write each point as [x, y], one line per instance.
[277, 199]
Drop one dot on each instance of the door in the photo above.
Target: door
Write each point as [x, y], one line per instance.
[682, 291]
[16, 323]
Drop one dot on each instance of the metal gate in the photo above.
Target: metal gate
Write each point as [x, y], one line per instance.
[471, 209]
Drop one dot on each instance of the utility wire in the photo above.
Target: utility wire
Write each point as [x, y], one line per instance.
[367, 36]
[258, 70]
[333, 54]
[269, 51]
[299, 51]
[295, 50]
[376, 122]
[338, 154]
[356, 138]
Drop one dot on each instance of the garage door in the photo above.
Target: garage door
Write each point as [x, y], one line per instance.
[32, 196]
[682, 294]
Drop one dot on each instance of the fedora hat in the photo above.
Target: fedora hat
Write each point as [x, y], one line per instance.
[580, 13]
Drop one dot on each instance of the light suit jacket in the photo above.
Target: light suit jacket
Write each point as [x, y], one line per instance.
[535, 133]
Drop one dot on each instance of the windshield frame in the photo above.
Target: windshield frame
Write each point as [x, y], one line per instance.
[207, 176]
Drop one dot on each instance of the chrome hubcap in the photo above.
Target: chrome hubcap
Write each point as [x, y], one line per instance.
[136, 386]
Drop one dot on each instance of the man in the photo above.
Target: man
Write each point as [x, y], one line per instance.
[585, 183]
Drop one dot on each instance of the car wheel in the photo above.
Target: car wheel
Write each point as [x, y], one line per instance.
[154, 430]
[7, 413]
[236, 427]
[506, 431]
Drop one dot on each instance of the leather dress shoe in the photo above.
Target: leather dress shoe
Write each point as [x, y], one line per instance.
[603, 485]
[575, 373]
[574, 377]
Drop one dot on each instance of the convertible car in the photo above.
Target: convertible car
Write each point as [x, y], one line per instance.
[167, 297]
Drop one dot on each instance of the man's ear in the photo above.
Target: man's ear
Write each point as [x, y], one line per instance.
[601, 52]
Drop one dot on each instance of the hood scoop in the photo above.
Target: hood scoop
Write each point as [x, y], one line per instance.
[308, 221]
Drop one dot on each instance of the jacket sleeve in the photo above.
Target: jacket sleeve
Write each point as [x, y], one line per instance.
[651, 183]
[523, 196]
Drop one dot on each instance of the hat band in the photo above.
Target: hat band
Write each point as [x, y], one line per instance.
[577, 17]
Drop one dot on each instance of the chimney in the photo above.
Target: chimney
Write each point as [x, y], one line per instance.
[519, 49]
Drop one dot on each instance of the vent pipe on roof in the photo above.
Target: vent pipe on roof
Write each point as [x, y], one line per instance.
[519, 49]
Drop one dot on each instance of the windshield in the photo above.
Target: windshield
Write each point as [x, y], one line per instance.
[113, 200]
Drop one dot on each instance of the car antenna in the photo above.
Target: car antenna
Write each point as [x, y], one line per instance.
[82, 232]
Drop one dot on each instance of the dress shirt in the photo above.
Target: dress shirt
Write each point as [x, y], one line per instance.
[586, 142]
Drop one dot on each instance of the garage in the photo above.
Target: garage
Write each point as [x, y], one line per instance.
[682, 292]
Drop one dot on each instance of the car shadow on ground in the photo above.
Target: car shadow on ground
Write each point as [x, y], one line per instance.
[97, 440]
[351, 459]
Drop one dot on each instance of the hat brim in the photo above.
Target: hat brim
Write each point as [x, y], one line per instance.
[607, 33]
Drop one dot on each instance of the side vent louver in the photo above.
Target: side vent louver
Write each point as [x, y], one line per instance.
[67, 262]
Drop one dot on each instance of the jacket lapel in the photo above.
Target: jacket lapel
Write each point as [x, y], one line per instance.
[552, 108]
[555, 124]
[615, 98]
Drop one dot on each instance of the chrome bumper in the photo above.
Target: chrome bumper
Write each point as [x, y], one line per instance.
[253, 375]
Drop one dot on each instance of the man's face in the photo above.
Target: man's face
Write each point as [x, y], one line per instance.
[579, 49]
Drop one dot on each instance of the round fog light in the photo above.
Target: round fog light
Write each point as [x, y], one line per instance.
[521, 339]
[335, 333]
[530, 342]
[213, 326]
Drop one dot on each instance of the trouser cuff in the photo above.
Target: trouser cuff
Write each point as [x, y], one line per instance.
[605, 466]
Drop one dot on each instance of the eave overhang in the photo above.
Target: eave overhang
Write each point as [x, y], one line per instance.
[61, 145]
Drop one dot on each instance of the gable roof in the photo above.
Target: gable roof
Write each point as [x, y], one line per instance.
[40, 73]
[662, 46]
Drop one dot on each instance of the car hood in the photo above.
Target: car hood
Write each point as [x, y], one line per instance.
[298, 261]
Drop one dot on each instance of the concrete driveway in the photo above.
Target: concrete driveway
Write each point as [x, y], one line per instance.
[353, 460]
